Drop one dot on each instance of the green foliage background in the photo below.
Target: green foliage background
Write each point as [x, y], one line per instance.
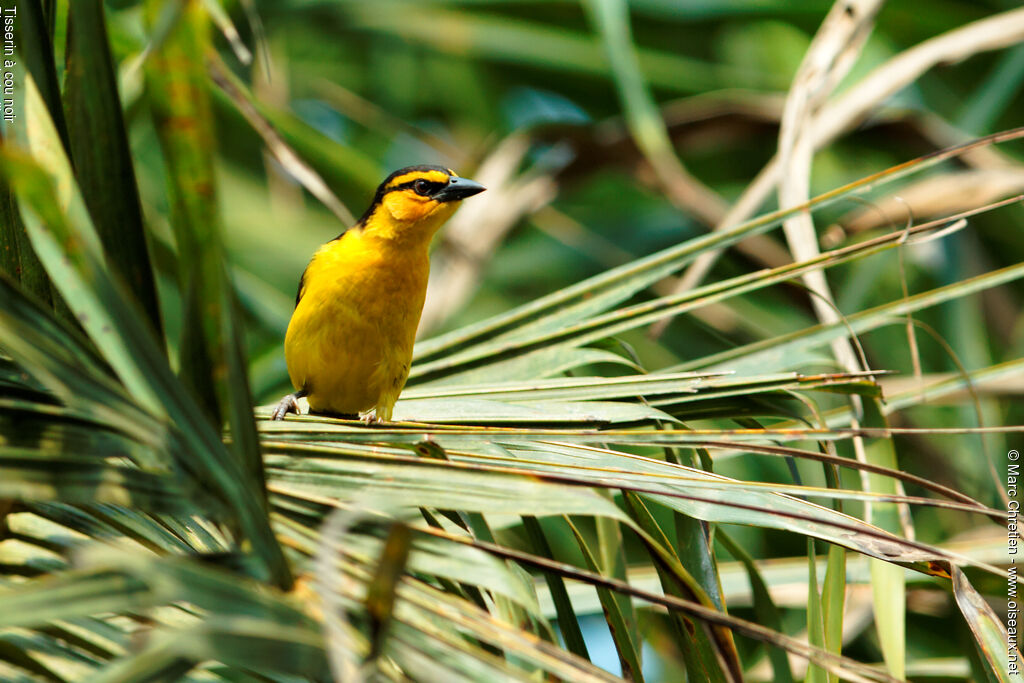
[173, 165]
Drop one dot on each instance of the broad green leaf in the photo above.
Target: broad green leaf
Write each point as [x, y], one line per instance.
[432, 486]
[29, 475]
[888, 589]
[101, 155]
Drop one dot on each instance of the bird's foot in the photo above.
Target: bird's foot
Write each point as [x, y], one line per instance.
[288, 404]
[370, 419]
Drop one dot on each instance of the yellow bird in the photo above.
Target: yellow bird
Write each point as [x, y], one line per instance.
[349, 342]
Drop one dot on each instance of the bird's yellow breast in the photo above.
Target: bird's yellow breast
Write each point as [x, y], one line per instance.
[349, 342]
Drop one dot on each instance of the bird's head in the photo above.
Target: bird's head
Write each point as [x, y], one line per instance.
[415, 201]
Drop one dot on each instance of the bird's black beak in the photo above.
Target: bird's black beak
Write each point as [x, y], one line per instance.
[459, 188]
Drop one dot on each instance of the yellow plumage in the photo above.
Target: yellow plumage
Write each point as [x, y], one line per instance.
[349, 343]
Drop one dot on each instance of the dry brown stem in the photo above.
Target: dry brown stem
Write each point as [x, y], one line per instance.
[857, 103]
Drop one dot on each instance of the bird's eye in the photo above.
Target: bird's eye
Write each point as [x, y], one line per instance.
[422, 187]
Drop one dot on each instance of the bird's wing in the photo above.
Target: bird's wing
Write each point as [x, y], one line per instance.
[302, 285]
[302, 280]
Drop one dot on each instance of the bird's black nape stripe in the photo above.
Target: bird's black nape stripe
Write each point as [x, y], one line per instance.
[383, 188]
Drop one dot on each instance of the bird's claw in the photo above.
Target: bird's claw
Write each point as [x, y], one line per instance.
[288, 404]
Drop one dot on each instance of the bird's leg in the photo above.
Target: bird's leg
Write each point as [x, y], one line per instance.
[382, 413]
[288, 404]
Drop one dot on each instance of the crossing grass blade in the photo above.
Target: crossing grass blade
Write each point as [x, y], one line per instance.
[583, 323]
[544, 317]
[771, 353]
[380, 593]
[990, 635]
[705, 648]
[568, 622]
[887, 581]
[615, 611]
[815, 620]
[211, 346]
[764, 607]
